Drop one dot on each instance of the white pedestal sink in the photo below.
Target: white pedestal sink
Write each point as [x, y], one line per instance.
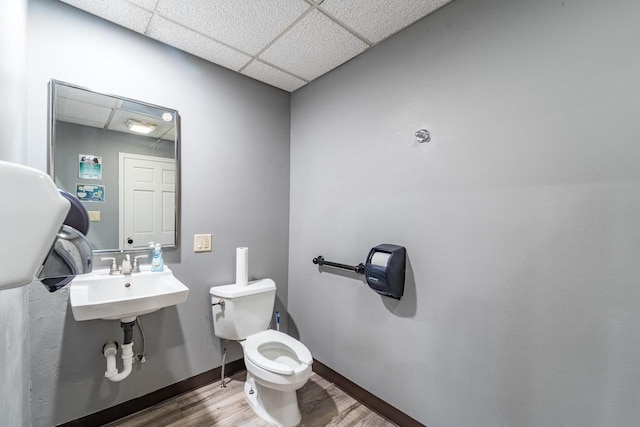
[98, 295]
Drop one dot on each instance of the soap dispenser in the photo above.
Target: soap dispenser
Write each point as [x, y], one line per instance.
[157, 262]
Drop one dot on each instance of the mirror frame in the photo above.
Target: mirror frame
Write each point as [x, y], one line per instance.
[51, 136]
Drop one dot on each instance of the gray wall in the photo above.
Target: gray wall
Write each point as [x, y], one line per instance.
[235, 185]
[15, 378]
[520, 217]
[72, 140]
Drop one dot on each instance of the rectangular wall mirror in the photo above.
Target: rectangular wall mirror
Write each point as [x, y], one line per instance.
[120, 157]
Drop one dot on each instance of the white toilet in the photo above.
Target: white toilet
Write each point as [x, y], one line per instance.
[277, 364]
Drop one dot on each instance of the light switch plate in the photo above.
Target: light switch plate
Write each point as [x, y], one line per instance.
[202, 242]
[94, 215]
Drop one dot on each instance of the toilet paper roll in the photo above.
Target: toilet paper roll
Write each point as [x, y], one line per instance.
[242, 266]
[380, 258]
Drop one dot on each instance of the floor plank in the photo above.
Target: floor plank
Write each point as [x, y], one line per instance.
[321, 404]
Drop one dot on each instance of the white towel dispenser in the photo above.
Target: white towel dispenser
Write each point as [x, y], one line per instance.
[31, 223]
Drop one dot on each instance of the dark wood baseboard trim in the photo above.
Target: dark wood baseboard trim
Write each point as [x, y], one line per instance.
[363, 396]
[143, 402]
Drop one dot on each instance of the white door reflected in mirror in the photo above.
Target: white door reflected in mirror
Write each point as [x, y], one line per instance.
[147, 200]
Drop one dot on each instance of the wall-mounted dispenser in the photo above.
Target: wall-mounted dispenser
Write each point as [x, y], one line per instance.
[384, 269]
[32, 228]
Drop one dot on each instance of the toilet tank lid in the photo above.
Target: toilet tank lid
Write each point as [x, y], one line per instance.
[235, 291]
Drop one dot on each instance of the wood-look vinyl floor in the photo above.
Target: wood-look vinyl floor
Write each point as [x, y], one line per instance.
[321, 403]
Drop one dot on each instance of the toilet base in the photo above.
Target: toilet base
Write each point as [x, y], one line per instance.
[275, 406]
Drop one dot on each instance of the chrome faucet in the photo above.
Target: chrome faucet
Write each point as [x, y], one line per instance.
[125, 267]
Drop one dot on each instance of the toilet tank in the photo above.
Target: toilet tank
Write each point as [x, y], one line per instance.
[246, 310]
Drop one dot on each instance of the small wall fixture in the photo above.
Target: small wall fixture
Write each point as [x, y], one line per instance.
[140, 127]
[423, 136]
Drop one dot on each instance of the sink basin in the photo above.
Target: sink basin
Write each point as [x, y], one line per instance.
[98, 295]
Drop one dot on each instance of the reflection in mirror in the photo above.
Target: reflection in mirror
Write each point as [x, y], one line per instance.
[120, 158]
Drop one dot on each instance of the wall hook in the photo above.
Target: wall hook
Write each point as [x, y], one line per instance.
[423, 135]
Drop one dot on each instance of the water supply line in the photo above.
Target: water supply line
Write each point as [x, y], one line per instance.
[224, 356]
[221, 303]
[142, 355]
[110, 349]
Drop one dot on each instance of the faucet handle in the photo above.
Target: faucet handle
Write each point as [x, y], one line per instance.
[135, 268]
[114, 264]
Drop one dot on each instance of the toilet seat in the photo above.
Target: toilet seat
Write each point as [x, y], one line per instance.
[271, 339]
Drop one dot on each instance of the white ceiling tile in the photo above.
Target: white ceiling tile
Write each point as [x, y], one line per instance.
[246, 25]
[266, 73]
[80, 121]
[86, 97]
[74, 111]
[313, 46]
[182, 38]
[147, 4]
[378, 19]
[320, 34]
[119, 11]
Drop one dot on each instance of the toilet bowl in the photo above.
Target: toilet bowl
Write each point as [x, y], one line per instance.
[277, 364]
[277, 360]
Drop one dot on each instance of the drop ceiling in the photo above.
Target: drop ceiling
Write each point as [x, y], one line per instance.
[284, 43]
[83, 107]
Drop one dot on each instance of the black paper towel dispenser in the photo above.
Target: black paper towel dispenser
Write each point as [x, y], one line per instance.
[384, 270]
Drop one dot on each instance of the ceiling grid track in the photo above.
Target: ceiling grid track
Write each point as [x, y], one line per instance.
[287, 38]
[340, 23]
[278, 37]
[156, 13]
